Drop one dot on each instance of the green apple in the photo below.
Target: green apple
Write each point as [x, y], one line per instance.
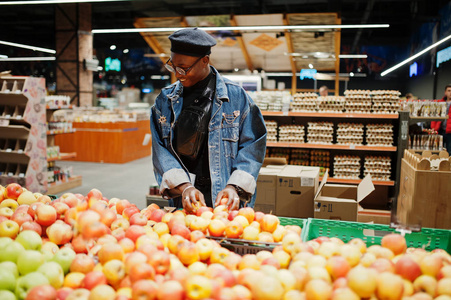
[49, 249]
[7, 295]
[11, 252]
[30, 240]
[7, 280]
[4, 241]
[29, 261]
[27, 282]
[54, 273]
[64, 257]
[11, 267]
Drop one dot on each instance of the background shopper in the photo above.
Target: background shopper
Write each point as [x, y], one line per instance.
[444, 128]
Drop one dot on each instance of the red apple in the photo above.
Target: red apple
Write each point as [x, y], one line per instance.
[171, 289]
[407, 268]
[138, 219]
[94, 230]
[42, 292]
[121, 205]
[70, 199]
[181, 229]
[234, 230]
[216, 228]
[107, 217]
[160, 260]
[248, 213]
[144, 289]
[13, 191]
[31, 226]
[21, 217]
[59, 233]
[93, 279]
[63, 293]
[141, 271]
[82, 263]
[110, 251]
[134, 232]
[45, 215]
[157, 215]
[269, 223]
[394, 242]
[203, 209]
[61, 209]
[232, 215]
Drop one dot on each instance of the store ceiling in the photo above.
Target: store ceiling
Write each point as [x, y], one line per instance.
[34, 24]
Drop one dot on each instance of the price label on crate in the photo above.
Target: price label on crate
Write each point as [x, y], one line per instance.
[305, 181]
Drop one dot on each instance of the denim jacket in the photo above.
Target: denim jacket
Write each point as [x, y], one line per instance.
[236, 139]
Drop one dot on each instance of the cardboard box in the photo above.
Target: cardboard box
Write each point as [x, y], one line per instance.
[296, 188]
[340, 201]
[266, 188]
[376, 216]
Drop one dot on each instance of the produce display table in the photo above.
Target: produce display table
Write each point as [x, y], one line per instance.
[118, 142]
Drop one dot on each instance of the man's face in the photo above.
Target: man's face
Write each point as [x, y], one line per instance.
[323, 92]
[198, 69]
[448, 93]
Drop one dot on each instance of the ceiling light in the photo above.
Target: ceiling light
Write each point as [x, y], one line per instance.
[156, 55]
[28, 59]
[415, 56]
[34, 48]
[244, 28]
[353, 56]
[54, 2]
[113, 47]
[310, 66]
[351, 74]
[126, 51]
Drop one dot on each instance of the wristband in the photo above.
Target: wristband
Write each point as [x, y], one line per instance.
[189, 186]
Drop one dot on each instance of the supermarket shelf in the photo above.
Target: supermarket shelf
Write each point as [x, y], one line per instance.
[64, 156]
[332, 146]
[332, 115]
[413, 120]
[51, 132]
[357, 181]
[55, 188]
[59, 107]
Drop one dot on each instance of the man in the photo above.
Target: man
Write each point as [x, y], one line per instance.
[444, 128]
[323, 91]
[209, 137]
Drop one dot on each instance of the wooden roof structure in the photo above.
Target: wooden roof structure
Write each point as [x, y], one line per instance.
[284, 51]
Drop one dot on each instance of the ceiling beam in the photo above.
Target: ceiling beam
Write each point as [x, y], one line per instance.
[291, 58]
[240, 40]
[150, 40]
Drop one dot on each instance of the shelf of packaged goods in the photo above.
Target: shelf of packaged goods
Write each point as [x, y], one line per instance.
[63, 156]
[332, 146]
[51, 132]
[58, 187]
[54, 107]
[413, 120]
[357, 181]
[331, 115]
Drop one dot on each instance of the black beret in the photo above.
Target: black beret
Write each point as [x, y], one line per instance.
[191, 42]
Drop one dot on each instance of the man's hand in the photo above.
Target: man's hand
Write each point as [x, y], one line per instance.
[192, 198]
[229, 192]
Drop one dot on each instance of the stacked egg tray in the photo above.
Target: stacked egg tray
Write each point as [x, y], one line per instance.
[358, 101]
[271, 127]
[278, 152]
[385, 101]
[291, 134]
[320, 132]
[349, 134]
[300, 157]
[378, 166]
[321, 159]
[304, 102]
[347, 166]
[379, 135]
[331, 104]
[270, 100]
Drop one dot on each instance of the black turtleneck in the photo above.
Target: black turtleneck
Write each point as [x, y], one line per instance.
[191, 93]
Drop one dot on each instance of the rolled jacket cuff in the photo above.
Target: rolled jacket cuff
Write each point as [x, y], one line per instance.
[174, 178]
[244, 180]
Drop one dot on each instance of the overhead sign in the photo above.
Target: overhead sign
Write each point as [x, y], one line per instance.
[443, 56]
[308, 74]
[413, 70]
[112, 64]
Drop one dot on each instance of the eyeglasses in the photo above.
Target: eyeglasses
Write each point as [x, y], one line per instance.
[181, 71]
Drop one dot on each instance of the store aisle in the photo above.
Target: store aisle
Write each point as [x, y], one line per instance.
[129, 181]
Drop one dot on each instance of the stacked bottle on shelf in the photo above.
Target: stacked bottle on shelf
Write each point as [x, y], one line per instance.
[347, 166]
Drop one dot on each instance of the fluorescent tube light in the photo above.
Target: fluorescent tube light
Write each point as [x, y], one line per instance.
[243, 28]
[54, 2]
[415, 56]
[3, 56]
[353, 56]
[34, 48]
[28, 59]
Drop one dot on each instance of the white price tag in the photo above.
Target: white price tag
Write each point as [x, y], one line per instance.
[4, 122]
[307, 181]
[352, 147]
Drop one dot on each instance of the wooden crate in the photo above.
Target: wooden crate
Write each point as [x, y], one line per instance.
[424, 196]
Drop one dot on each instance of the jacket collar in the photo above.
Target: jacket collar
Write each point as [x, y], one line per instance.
[221, 89]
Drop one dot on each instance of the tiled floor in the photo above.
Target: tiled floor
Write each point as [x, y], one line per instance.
[125, 181]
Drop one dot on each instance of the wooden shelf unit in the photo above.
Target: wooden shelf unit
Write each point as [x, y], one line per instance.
[63, 156]
[58, 187]
[330, 146]
[330, 115]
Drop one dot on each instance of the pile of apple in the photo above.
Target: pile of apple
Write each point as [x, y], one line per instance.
[89, 247]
